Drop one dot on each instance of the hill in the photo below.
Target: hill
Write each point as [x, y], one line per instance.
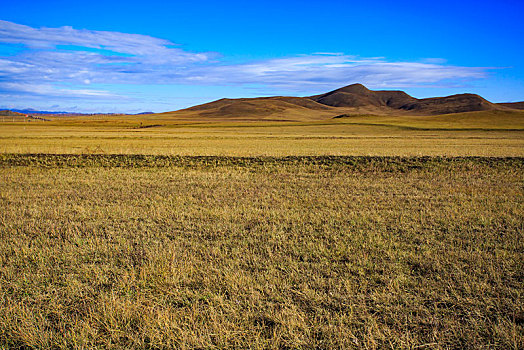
[450, 104]
[350, 101]
[353, 99]
[513, 105]
[358, 95]
[9, 113]
[263, 108]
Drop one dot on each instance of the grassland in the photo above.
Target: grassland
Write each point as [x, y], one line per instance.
[466, 135]
[362, 232]
[206, 252]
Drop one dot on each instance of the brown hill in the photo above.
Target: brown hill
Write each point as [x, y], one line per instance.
[9, 113]
[450, 104]
[349, 100]
[512, 105]
[357, 95]
[262, 108]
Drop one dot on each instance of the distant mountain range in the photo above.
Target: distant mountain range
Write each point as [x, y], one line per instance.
[34, 111]
[30, 111]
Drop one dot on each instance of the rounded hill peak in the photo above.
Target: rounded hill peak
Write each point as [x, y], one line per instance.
[358, 89]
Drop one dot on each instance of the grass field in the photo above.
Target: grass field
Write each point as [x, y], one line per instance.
[362, 136]
[363, 233]
[149, 252]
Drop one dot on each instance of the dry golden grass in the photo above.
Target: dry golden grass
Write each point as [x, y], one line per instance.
[498, 119]
[338, 137]
[125, 239]
[481, 120]
[326, 252]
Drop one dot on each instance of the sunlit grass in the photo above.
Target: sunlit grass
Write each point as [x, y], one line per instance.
[260, 139]
[256, 235]
[152, 252]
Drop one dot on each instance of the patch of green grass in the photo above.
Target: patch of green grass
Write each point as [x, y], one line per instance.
[130, 251]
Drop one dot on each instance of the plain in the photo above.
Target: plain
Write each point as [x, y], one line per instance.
[122, 233]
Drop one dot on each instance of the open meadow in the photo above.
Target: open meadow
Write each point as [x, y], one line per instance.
[252, 175]
[490, 134]
[363, 233]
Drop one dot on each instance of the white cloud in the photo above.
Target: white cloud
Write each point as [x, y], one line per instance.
[14, 89]
[134, 44]
[326, 71]
[79, 59]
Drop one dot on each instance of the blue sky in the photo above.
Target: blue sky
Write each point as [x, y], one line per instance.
[133, 56]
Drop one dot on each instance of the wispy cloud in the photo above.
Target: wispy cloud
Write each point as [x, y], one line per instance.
[68, 62]
[133, 44]
[321, 71]
[46, 90]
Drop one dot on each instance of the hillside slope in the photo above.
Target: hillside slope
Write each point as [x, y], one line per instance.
[9, 113]
[513, 105]
[353, 99]
[350, 101]
[263, 108]
[358, 95]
